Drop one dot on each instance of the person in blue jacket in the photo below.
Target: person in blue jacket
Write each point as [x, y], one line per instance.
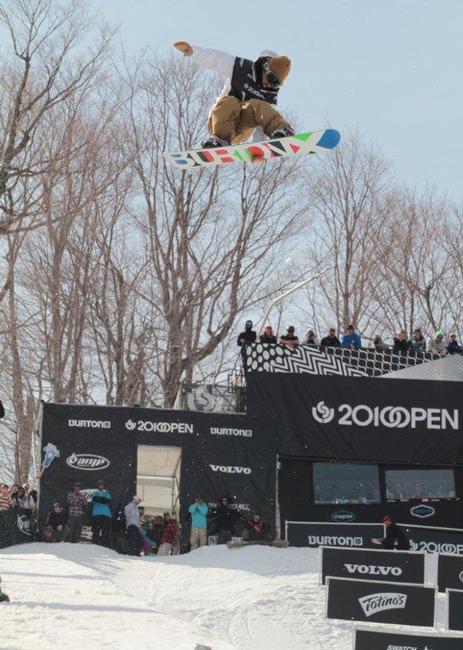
[198, 511]
[101, 515]
[350, 339]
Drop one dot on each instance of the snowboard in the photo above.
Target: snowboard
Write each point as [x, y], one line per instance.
[277, 543]
[301, 143]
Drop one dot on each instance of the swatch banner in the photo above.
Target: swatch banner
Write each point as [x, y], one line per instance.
[380, 565]
[14, 527]
[343, 418]
[386, 602]
[384, 640]
[314, 534]
[455, 609]
[221, 455]
[432, 539]
[449, 572]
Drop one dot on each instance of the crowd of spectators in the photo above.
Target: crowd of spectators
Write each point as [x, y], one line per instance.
[128, 528]
[22, 499]
[351, 339]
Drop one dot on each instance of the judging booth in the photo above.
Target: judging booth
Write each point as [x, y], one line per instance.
[167, 457]
[324, 451]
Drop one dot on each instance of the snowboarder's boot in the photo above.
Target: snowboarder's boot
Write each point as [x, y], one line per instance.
[282, 132]
[213, 142]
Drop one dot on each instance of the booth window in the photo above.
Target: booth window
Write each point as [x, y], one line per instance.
[406, 484]
[345, 483]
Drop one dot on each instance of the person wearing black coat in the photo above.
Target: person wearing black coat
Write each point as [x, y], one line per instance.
[268, 336]
[395, 537]
[331, 340]
[56, 521]
[246, 338]
[401, 343]
[225, 520]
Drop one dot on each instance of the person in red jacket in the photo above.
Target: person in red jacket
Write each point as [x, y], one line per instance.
[169, 534]
[255, 530]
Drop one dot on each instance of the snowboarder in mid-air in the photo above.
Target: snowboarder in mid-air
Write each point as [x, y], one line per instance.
[249, 97]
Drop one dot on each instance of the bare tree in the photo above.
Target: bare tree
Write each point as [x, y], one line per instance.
[42, 70]
[212, 236]
[348, 213]
[413, 262]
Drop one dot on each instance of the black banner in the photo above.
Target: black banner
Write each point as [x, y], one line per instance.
[455, 609]
[449, 572]
[379, 565]
[386, 602]
[15, 527]
[348, 418]
[434, 540]
[220, 455]
[314, 534]
[384, 640]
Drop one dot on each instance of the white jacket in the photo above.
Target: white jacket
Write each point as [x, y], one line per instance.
[132, 515]
[223, 64]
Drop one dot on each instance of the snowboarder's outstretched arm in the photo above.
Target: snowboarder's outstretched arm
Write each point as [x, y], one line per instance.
[216, 60]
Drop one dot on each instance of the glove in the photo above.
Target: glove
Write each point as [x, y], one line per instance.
[184, 47]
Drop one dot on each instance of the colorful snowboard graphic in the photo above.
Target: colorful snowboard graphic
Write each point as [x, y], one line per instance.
[302, 143]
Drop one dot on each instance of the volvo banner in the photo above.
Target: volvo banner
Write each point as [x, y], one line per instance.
[371, 639]
[455, 609]
[386, 602]
[379, 565]
[314, 534]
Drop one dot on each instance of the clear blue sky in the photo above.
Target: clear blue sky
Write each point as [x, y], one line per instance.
[391, 67]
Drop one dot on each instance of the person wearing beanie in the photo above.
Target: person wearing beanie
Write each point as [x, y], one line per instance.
[249, 97]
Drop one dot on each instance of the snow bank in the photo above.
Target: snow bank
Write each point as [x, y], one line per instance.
[83, 597]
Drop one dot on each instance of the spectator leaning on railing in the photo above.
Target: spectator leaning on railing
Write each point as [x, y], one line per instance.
[417, 342]
[311, 338]
[289, 339]
[350, 339]
[267, 335]
[378, 343]
[453, 346]
[437, 345]
[331, 340]
[401, 344]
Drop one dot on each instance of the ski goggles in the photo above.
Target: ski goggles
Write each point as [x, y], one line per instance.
[271, 77]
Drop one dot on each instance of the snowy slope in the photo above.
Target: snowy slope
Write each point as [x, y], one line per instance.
[88, 598]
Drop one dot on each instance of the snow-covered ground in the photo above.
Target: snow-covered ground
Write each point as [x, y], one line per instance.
[78, 596]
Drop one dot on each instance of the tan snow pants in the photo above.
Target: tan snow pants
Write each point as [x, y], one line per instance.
[235, 121]
[198, 537]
